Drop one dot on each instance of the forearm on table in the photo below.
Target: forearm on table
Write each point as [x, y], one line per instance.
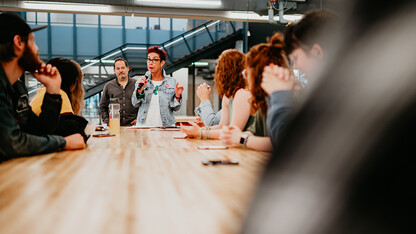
[259, 143]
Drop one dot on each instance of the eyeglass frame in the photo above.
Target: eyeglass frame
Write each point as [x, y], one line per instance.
[152, 60]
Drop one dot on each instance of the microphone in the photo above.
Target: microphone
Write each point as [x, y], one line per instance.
[147, 77]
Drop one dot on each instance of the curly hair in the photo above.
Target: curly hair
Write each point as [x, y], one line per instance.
[162, 54]
[228, 73]
[258, 57]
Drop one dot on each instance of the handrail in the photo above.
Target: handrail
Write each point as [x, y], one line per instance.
[165, 45]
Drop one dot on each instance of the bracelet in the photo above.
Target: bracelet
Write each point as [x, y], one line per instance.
[206, 132]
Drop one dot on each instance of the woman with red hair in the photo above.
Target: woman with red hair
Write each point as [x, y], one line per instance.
[257, 137]
[232, 86]
[156, 94]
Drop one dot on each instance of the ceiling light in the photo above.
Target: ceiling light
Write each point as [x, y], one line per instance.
[63, 6]
[187, 3]
[243, 15]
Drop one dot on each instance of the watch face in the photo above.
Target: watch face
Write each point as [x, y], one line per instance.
[242, 139]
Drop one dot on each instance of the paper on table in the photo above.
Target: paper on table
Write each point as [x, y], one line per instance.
[140, 127]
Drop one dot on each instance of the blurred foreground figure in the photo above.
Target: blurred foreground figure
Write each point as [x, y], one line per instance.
[345, 162]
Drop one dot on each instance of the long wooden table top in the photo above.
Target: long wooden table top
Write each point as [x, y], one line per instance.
[140, 181]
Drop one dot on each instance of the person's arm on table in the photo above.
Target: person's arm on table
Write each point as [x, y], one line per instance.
[16, 143]
[232, 135]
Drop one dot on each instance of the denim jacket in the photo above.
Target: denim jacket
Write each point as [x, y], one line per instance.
[167, 101]
[22, 132]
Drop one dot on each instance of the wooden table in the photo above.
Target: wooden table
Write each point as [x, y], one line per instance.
[141, 181]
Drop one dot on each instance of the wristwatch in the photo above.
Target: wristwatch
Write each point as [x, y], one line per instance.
[243, 140]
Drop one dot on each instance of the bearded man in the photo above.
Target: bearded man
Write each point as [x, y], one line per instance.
[121, 88]
[22, 132]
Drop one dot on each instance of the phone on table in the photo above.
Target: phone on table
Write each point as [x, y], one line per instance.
[180, 137]
[219, 162]
[103, 135]
[214, 147]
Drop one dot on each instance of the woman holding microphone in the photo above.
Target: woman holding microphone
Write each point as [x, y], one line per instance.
[156, 95]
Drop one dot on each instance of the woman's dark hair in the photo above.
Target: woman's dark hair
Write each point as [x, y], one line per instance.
[72, 76]
[308, 31]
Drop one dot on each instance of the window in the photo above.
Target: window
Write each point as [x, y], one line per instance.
[136, 22]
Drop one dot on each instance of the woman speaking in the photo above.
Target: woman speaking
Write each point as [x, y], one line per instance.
[156, 95]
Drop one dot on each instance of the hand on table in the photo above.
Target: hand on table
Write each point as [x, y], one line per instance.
[191, 131]
[230, 135]
[199, 122]
[74, 142]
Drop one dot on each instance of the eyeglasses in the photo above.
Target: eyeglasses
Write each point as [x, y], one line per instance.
[149, 60]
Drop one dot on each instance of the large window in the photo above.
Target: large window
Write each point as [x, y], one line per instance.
[87, 20]
[37, 17]
[180, 24]
[111, 21]
[61, 19]
[136, 22]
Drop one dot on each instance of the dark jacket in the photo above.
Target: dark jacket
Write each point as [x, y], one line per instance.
[70, 124]
[22, 132]
[128, 113]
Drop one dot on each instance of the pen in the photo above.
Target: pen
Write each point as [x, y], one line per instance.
[220, 162]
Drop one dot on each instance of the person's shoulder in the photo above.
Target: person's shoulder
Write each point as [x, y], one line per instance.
[110, 83]
[133, 79]
[242, 93]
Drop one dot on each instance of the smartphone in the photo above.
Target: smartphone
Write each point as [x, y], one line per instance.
[219, 162]
[103, 135]
[215, 147]
[100, 128]
[180, 137]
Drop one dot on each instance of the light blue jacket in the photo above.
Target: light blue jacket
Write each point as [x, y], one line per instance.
[167, 101]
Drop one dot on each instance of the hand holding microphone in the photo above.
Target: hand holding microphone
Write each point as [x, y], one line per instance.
[142, 82]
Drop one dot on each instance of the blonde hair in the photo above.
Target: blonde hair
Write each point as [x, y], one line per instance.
[77, 94]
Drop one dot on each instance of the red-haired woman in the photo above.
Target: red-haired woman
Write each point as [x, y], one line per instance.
[160, 94]
[257, 136]
[232, 86]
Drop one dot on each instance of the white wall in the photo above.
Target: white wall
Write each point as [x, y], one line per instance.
[181, 76]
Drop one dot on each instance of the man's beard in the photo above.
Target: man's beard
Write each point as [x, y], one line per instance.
[122, 77]
[29, 61]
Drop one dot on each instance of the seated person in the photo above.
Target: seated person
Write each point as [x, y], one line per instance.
[22, 132]
[232, 86]
[72, 94]
[159, 96]
[258, 57]
[307, 54]
[204, 110]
